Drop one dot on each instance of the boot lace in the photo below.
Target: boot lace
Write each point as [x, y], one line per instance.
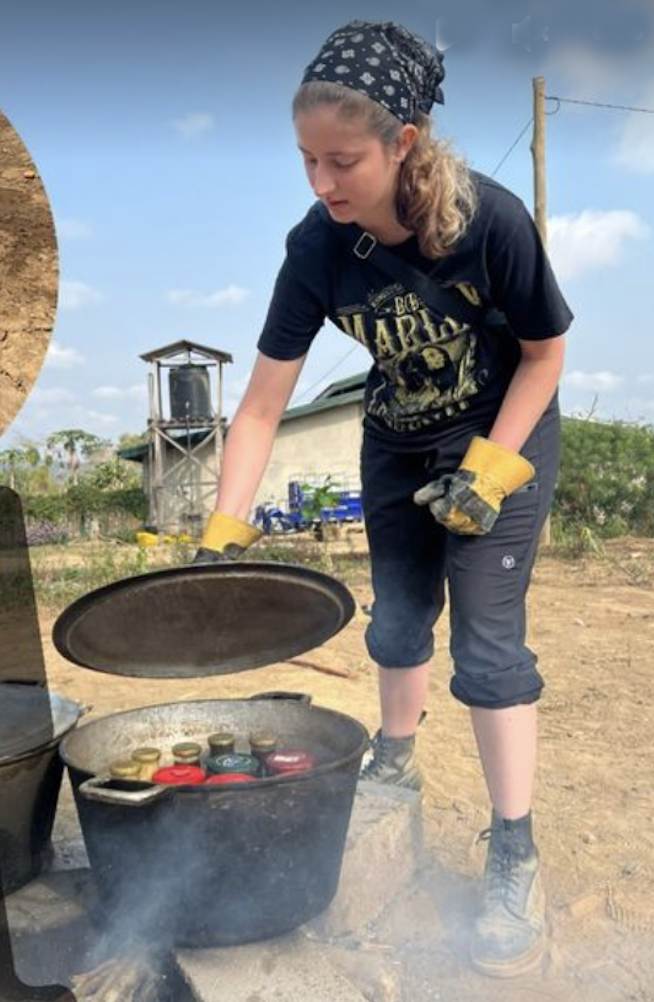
[503, 881]
[378, 762]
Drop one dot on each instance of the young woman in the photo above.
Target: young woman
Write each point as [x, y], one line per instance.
[461, 429]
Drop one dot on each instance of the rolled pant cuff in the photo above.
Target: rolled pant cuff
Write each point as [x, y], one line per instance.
[500, 691]
[386, 657]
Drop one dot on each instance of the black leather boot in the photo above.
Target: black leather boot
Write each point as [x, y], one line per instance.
[510, 932]
[393, 762]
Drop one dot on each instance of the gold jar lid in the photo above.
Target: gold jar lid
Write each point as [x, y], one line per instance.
[220, 740]
[263, 741]
[124, 770]
[187, 751]
[146, 755]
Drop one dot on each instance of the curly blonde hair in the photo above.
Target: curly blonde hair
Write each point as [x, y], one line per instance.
[436, 197]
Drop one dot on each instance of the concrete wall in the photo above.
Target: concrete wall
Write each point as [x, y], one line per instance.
[309, 447]
[313, 446]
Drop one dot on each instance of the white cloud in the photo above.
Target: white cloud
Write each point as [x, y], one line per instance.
[91, 415]
[76, 295]
[232, 295]
[582, 73]
[592, 239]
[136, 392]
[107, 392]
[636, 144]
[48, 410]
[55, 396]
[597, 382]
[72, 229]
[58, 357]
[195, 123]
[645, 378]
[599, 75]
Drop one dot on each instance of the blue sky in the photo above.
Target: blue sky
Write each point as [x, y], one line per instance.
[163, 135]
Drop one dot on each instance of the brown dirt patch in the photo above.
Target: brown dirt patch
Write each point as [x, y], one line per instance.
[28, 273]
[592, 623]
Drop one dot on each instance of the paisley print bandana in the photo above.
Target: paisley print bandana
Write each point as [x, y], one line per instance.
[386, 62]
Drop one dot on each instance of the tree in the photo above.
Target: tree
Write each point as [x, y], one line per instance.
[75, 444]
[13, 460]
[114, 475]
[131, 439]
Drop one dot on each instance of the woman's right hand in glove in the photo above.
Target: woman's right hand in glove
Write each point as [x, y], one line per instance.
[225, 538]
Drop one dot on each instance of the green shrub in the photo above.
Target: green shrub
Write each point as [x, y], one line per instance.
[84, 501]
[606, 481]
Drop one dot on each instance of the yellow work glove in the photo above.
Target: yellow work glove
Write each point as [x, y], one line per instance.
[225, 538]
[468, 502]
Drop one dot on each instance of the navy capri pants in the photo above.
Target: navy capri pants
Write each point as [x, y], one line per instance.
[412, 557]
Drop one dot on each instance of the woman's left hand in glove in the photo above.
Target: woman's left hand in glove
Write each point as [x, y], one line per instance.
[468, 502]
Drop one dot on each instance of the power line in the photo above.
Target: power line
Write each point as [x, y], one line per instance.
[569, 100]
[511, 148]
[599, 104]
[326, 374]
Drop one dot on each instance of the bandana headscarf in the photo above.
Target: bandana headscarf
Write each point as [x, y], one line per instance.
[386, 62]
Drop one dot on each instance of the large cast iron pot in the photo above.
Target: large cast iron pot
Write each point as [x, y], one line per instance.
[216, 865]
[32, 723]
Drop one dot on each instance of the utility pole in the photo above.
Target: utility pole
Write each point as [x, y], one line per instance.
[538, 154]
[540, 202]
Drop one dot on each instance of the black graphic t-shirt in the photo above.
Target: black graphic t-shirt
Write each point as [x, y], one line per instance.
[429, 369]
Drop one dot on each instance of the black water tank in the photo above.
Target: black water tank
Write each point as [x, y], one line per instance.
[190, 393]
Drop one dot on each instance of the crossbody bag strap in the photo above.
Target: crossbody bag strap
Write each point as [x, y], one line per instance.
[440, 298]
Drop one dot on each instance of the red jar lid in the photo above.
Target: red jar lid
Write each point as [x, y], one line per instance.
[283, 763]
[230, 777]
[178, 775]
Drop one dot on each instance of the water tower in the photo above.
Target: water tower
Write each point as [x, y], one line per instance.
[185, 435]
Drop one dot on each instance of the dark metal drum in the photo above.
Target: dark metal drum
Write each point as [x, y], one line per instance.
[32, 723]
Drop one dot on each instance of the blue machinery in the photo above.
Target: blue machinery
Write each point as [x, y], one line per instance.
[272, 519]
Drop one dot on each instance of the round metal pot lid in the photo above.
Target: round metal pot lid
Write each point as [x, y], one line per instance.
[203, 620]
[31, 717]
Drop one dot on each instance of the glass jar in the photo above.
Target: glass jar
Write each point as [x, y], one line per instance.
[290, 763]
[148, 760]
[179, 775]
[220, 779]
[187, 753]
[245, 764]
[221, 743]
[262, 743]
[125, 769]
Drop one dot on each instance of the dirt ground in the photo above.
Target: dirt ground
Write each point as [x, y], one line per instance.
[592, 623]
[28, 273]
